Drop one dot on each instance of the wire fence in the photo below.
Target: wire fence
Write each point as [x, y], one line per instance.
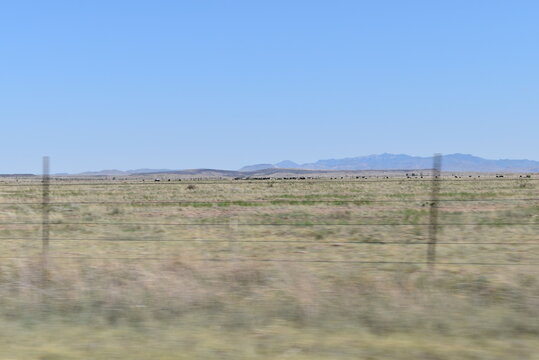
[432, 202]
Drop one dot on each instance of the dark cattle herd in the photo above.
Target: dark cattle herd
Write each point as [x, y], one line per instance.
[266, 178]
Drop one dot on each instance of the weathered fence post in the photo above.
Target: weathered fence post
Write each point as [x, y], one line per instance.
[433, 214]
[45, 231]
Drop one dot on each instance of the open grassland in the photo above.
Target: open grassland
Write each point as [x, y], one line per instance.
[319, 269]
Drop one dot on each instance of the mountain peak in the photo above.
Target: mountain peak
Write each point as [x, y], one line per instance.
[287, 164]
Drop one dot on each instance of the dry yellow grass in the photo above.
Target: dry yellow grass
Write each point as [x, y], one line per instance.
[157, 279]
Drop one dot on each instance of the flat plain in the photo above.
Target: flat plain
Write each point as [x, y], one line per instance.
[270, 269]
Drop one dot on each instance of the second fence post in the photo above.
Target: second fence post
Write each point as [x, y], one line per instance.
[433, 214]
[45, 219]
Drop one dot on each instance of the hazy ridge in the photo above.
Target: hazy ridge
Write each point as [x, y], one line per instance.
[452, 162]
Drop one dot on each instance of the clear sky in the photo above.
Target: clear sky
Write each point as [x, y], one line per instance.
[106, 84]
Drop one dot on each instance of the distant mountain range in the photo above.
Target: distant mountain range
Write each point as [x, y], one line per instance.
[452, 162]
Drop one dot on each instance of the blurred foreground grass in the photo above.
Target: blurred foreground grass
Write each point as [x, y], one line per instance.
[58, 341]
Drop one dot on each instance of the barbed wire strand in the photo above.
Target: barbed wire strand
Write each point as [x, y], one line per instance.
[265, 224]
[277, 260]
[339, 243]
[262, 201]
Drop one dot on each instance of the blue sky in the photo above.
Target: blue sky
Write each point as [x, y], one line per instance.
[221, 84]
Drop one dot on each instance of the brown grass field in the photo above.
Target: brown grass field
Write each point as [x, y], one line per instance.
[276, 269]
